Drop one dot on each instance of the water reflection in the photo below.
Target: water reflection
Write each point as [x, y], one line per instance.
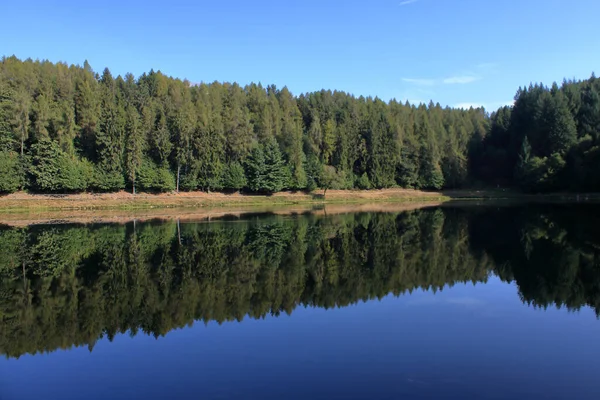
[70, 285]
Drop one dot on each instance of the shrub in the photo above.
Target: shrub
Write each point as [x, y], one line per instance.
[234, 176]
[363, 182]
[153, 178]
[11, 172]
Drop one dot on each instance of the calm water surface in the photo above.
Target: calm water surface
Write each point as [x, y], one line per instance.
[439, 303]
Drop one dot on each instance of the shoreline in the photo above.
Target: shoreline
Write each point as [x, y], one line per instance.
[208, 214]
[26, 202]
[22, 202]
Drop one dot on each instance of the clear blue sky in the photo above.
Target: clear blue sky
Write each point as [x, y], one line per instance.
[452, 51]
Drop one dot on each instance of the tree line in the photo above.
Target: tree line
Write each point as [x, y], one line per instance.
[66, 128]
[70, 285]
[548, 141]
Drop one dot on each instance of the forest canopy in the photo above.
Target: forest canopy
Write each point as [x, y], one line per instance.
[66, 128]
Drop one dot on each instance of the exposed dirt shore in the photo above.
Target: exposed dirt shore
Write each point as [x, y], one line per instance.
[116, 207]
[22, 201]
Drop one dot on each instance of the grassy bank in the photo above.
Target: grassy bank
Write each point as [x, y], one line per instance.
[24, 202]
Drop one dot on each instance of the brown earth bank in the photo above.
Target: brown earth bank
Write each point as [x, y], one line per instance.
[23, 202]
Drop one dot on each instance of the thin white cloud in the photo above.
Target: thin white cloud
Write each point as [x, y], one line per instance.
[487, 65]
[421, 82]
[407, 2]
[461, 80]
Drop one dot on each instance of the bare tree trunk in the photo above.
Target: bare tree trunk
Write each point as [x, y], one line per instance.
[178, 174]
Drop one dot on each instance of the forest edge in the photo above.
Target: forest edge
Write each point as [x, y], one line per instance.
[26, 202]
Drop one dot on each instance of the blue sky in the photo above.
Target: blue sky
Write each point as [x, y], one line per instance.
[457, 52]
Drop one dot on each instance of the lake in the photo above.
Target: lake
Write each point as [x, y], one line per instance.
[452, 302]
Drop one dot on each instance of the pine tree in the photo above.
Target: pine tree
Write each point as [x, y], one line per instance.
[559, 125]
[265, 169]
[11, 173]
[274, 172]
[234, 176]
[135, 146]
[86, 108]
[256, 169]
[110, 138]
[20, 112]
[239, 134]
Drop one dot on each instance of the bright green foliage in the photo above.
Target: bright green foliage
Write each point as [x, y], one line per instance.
[332, 178]
[8, 140]
[542, 174]
[18, 109]
[430, 173]
[382, 148]
[234, 176]
[266, 170]
[135, 146]
[327, 146]
[107, 181]
[110, 138]
[236, 120]
[154, 178]
[363, 182]
[313, 170]
[560, 125]
[315, 136]
[41, 117]
[11, 172]
[256, 169]
[53, 170]
[276, 172]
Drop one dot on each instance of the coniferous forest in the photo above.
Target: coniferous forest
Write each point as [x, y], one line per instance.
[69, 129]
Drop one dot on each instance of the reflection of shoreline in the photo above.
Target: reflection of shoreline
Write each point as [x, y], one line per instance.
[198, 215]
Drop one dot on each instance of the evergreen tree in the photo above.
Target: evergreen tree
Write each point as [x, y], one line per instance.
[559, 124]
[110, 138]
[265, 169]
[256, 170]
[198, 135]
[275, 171]
[11, 173]
[234, 176]
[135, 146]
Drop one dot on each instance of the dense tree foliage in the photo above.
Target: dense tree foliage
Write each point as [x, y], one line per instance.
[65, 285]
[157, 133]
[549, 140]
[66, 128]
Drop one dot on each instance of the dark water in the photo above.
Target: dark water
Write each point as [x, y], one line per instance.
[440, 303]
